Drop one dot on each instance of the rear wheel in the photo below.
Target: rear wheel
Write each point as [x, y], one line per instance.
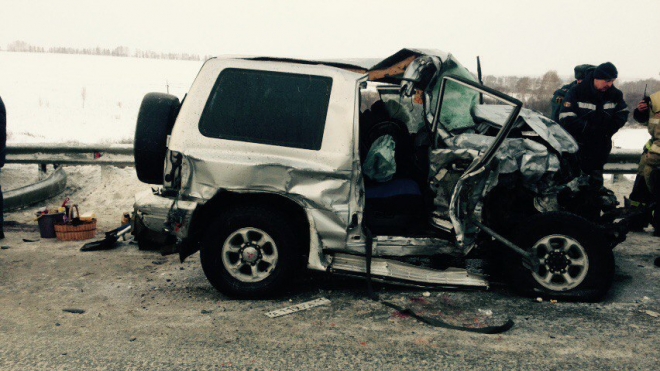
[250, 252]
[574, 259]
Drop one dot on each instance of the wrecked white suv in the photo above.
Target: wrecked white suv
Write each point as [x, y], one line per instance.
[270, 165]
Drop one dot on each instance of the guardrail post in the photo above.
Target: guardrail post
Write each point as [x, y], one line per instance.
[42, 171]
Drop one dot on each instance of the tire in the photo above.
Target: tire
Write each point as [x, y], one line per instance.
[158, 112]
[575, 261]
[250, 252]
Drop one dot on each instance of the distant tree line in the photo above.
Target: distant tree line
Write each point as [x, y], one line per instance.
[536, 92]
[120, 51]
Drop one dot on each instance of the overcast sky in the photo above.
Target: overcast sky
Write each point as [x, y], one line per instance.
[512, 37]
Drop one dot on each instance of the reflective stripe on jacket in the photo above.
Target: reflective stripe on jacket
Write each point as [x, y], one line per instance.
[592, 117]
[654, 129]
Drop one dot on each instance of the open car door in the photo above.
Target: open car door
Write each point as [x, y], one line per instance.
[463, 146]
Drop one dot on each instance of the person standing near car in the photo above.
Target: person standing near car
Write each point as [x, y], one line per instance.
[648, 112]
[592, 113]
[559, 95]
[3, 150]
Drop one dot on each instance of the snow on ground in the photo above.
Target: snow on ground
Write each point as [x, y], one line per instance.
[631, 138]
[81, 98]
[108, 191]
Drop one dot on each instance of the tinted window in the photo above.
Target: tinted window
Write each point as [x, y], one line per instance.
[275, 108]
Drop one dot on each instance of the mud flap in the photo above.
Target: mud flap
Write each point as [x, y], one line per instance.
[186, 248]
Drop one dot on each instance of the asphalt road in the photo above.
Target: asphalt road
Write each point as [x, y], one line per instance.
[138, 310]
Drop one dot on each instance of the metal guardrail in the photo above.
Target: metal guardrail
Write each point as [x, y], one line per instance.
[621, 161]
[50, 186]
[54, 183]
[71, 154]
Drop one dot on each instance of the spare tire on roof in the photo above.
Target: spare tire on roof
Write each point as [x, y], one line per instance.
[158, 112]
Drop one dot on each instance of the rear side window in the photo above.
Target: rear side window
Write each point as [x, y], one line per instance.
[281, 109]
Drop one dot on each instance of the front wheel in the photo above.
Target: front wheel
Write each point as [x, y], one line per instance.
[574, 260]
[249, 252]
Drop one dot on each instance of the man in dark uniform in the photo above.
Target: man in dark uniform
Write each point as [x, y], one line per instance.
[592, 113]
[558, 97]
[3, 149]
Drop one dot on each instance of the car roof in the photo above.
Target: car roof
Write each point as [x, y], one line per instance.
[358, 65]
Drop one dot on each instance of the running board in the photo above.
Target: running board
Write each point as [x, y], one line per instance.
[386, 268]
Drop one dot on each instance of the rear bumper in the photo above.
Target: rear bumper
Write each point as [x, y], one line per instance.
[164, 214]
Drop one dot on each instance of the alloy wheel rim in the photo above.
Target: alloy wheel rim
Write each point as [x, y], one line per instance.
[563, 262]
[249, 255]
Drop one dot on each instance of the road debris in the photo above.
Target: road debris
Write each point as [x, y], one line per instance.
[74, 311]
[651, 313]
[109, 241]
[486, 312]
[298, 307]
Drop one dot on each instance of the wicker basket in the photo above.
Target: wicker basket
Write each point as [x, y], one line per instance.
[70, 232]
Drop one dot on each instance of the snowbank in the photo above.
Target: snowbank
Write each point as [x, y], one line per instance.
[107, 191]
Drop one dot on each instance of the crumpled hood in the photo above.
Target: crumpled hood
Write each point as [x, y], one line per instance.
[548, 130]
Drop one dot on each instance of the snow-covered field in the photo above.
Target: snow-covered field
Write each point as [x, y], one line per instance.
[80, 98]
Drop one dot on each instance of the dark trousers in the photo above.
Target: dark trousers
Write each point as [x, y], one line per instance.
[654, 182]
[640, 192]
[2, 212]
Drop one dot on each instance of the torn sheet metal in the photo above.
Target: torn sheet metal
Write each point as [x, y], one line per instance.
[531, 159]
[385, 268]
[403, 58]
[548, 130]
[297, 308]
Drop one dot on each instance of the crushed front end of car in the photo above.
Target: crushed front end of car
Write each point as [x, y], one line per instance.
[501, 173]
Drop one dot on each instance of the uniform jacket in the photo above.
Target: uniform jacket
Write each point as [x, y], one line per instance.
[558, 99]
[592, 117]
[3, 133]
[651, 117]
